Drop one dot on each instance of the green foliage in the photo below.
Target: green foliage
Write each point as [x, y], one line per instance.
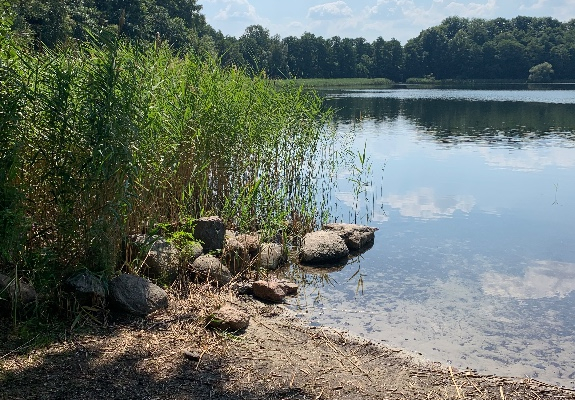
[105, 138]
[541, 73]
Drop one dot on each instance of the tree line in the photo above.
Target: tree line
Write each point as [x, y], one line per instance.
[458, 48]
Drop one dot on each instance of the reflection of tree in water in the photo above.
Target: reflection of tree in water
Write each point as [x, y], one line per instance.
[458, 121]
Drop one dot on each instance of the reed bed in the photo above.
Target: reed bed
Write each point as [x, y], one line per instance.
[105, 138]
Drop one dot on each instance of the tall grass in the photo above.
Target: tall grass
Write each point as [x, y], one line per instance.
[104, 139]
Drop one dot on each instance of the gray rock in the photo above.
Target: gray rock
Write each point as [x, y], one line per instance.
[190, 252]
[135, 295]
[87, 288]
[159, 258]
[208, 268]
[235, 254]
[211, 232]
[354, 236]
[272, 256]
[229, 318]
[251, 241]
[322, 247]
[24, 294]
[269, 291]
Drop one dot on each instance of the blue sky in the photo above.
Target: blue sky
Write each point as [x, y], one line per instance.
[400, 19]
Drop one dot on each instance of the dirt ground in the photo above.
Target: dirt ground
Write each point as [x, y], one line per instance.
[172, 355]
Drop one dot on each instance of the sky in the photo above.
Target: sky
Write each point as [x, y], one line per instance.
[399, 19]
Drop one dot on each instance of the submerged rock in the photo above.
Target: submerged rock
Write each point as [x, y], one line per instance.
[322, 247]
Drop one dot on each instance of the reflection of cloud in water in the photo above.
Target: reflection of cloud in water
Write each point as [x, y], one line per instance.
[529, 159]
[424, 204]
[546, 279]
[349, 199]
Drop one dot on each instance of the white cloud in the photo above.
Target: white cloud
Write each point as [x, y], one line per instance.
[337, 9]
[544, 279]
[425, 204]
[539, 4]
[472, 10]
[237, 9]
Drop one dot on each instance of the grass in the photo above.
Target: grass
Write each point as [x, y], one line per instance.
[106, 138]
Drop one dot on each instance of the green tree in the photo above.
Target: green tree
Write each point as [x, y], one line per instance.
[541, 73]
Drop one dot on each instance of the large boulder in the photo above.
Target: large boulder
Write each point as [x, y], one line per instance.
[229, 318]
[87, 288]
[158, 257]
[208, 268]
[23, 294]
[322, 247]
[272, 256]
[354, 236]
[135, 295]
[211, 232]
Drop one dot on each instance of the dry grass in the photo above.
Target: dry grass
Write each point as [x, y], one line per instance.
[277, 357]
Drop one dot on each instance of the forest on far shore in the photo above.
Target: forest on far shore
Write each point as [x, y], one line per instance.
[458, 48]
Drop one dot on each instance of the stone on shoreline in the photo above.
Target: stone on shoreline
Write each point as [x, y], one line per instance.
[322, 247]
[135, 295]
[229, 318]
[211, 231]
[354, 236]
[208, 268]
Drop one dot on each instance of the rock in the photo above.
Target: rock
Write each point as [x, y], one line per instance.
[354, 236]
[269, 291]
[211, 232]
[208, 268]
[159, 258]
[322, 247]
[23, 293]
[229, 318]
[135, 295]
[87, 288]
[190, 252]
[244, 288]
[251, 242]
[272, 256]
[235, 254]
[289, 288]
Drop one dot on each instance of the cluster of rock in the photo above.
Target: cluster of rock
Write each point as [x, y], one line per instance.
[335, 242]
[157, 257]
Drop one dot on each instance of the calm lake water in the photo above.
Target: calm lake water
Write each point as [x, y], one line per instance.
[473, 192]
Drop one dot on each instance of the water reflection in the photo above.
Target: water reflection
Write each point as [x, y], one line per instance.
[544, 279]
[474, 189]
[449, 121]
[425, 204]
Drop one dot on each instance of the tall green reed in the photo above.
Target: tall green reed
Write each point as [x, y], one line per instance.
[103, 139]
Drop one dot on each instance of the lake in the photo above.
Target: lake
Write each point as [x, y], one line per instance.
[473, 192]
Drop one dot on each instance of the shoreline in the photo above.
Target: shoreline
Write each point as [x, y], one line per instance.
[277, 357]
